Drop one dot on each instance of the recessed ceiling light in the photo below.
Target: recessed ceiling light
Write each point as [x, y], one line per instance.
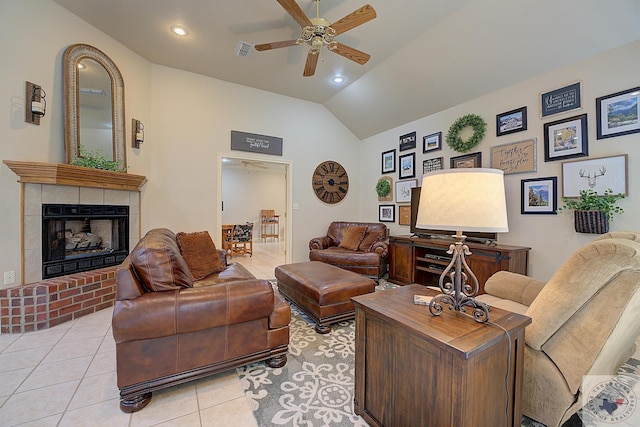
[337, 79]
[177, 29]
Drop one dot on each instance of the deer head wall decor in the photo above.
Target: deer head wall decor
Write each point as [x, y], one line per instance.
[591, 180]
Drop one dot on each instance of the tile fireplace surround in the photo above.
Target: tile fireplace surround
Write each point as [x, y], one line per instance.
[39, 304]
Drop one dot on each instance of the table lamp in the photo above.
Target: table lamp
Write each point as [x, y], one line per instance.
[464, 199]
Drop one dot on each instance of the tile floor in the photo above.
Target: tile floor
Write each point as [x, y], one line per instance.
[65, 376]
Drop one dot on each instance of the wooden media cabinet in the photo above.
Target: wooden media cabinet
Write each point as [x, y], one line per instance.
[422, 260]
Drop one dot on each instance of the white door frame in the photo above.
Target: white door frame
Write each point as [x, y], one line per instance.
[288, 202]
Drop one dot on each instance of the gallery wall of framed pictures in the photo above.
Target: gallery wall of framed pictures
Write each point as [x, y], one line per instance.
[565, 137]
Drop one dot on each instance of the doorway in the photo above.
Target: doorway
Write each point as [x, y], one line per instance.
[247, 185]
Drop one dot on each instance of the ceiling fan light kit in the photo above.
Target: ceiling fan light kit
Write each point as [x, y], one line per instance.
[318, 32]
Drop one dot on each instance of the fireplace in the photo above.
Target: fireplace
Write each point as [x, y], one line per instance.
[78, 238]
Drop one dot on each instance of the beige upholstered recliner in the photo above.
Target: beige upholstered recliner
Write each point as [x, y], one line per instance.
[585, 321]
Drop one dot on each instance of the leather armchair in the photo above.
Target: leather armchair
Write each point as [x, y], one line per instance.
[585, 321]
[369, 257]
[170, 329]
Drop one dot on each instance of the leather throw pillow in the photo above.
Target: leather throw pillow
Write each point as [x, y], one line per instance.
[352, 237]
[200, 254]
[157, 262]
[369, 239]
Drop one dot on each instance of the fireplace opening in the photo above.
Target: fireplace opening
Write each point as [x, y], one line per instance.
[79, 238]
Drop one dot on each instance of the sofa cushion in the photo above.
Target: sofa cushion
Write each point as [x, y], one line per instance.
[200, 254]
[233, 273]
[352, 237]
[158, 264]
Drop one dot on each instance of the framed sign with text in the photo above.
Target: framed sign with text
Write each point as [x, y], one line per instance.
[560, 100]
[255, 143]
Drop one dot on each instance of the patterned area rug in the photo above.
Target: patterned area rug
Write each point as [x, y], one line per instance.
[315, 387]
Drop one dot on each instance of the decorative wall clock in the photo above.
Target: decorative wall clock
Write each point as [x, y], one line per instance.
[330, 182]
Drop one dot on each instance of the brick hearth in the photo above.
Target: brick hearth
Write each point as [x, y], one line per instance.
[44, 304]
[40, 304]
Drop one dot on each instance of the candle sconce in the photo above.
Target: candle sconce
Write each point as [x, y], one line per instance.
[35, 104]
[137, 133]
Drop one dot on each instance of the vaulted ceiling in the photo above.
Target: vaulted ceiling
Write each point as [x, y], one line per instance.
[426, 55]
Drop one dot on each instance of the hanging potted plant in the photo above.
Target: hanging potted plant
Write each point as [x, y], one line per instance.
[593, 212]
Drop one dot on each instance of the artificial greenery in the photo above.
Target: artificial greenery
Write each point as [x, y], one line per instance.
[589, 200]
[96, 160]
[453, 136]
[383, 188]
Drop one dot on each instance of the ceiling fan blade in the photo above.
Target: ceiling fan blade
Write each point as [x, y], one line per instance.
[296, 12]
[351, 53]
[312, 62]
[358, 17]
[275, 45]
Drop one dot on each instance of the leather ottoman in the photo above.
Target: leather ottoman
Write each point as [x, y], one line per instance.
[322, 291]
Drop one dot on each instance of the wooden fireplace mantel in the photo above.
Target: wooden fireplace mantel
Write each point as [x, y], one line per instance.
[76, 176]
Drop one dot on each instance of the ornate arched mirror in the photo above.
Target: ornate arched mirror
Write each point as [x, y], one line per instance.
[94, 104]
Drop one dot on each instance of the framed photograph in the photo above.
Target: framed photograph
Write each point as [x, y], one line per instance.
[408, 141]
[432, 142]
[561, 100]
[511, 121]
[407, 165]
[539, 196]
[473, 160]
[566, 138]
[431, 165]
[404, 215]
[597, 174]
[515, 157]
[403, 190]
[389, 161]
[617, 114]
[387, 213]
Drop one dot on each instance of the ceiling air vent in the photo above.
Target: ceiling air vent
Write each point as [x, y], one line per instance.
[244, 49]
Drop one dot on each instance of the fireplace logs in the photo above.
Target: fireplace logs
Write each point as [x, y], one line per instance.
[83, 237]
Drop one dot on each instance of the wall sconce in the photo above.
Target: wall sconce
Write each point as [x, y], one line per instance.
[137, 133]
[35, 104]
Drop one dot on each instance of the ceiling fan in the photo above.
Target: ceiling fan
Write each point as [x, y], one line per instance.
[318, 32]
[254, 163]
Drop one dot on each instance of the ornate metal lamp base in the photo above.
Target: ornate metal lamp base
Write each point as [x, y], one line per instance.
[457, 293]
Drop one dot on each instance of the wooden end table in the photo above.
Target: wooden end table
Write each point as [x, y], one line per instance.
[416, 369]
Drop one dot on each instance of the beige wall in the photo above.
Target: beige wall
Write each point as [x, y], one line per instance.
[551, 237]
[188, 119]
[36, 55]
[191, 128]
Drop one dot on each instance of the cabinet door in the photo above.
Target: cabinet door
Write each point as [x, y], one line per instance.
[484, 264]
[401, 268]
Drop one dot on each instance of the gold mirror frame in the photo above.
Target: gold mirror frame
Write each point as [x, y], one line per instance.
[72, 56]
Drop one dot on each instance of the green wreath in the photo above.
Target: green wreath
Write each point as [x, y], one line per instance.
[453, 136]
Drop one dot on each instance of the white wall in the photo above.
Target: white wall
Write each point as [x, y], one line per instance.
[191, 128]
[36, 55]
[248, 190]
[188, 119]
[551, 237]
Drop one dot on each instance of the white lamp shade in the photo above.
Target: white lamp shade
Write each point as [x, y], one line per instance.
[463, 199]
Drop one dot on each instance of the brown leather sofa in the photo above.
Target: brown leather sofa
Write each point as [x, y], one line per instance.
[170, 328]
[361, 247]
